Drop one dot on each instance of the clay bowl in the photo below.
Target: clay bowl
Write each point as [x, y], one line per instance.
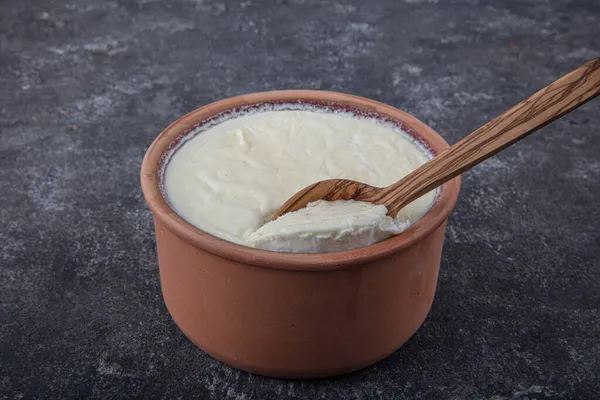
[296, 315]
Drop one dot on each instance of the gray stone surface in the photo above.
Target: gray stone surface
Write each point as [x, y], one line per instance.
[85, 86]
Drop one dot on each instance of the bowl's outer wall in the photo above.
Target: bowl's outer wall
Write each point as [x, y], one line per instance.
[296, 315]
[297, 324]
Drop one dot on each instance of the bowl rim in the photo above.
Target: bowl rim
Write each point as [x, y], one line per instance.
[162, 211]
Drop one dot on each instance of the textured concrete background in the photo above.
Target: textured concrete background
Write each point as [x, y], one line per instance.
[85, 86]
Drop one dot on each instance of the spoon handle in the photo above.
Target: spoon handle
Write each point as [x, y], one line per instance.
[550, 103]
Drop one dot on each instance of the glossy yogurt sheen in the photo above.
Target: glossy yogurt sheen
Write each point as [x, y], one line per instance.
[229, 178]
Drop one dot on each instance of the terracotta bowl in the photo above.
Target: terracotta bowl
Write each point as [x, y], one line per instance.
[296, 315]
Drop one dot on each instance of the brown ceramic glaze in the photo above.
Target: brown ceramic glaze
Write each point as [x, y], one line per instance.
[296, 315]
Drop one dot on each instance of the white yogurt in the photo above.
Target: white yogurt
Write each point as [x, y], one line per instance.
[230, 178]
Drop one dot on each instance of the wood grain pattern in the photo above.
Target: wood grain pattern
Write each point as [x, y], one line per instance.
[533, 113]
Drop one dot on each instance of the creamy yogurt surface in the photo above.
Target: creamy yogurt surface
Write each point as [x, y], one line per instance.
[229, 179]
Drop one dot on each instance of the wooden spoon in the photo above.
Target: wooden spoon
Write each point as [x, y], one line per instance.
[550, 103]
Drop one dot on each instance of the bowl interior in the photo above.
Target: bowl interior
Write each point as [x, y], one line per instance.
[195, 122]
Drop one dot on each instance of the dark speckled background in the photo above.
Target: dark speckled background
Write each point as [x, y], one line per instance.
[85, 86]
